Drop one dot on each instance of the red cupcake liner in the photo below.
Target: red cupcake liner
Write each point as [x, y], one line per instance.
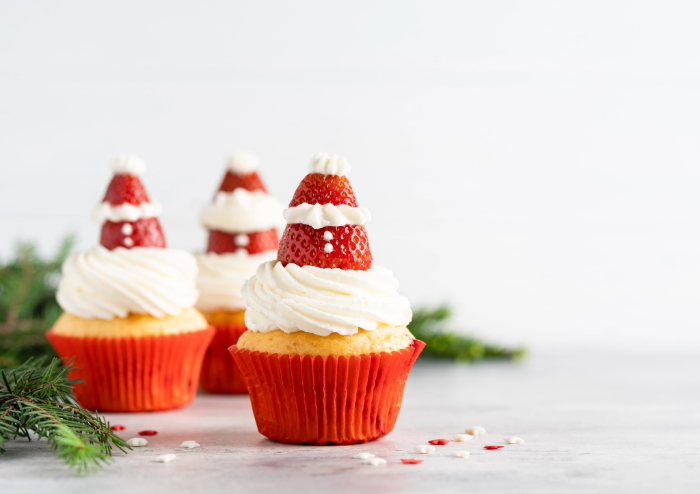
[220, 373]
[321, 400]
[135, 374]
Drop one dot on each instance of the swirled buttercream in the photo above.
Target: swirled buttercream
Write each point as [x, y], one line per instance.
[104, 284]
[322, 301]
[329, 165]
[125, 212]
[242, 211]
[243, 162]
[322, 215]
[221, 277]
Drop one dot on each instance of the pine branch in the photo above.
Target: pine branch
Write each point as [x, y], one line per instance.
[37, 398]
[429, 326]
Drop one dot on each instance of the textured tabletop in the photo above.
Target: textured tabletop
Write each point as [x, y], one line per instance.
[591, 422]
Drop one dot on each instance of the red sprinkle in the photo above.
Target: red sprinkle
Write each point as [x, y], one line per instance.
[411, 461]
[493, 447]
[118, 427]
[153, 433]
[441, 442]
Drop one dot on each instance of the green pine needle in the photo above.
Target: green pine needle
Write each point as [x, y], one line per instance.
[38, 398]
[429, 326]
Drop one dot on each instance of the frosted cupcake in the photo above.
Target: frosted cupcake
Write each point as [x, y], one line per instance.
[242, 221]
[327, 353]
[128, 318]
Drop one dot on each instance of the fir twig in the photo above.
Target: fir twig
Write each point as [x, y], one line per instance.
[37, 398]
[429, 326]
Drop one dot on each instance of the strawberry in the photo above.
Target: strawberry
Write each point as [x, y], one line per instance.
[144, 232]
[125, 188]
[224, 242]
[317, 188]
[250, 181]
[305, 246]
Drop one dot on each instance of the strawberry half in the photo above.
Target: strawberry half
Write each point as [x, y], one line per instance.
[125, 188]
[224, 242]
[142, 233]
[250, 181]
[305, 246]
[317, 188]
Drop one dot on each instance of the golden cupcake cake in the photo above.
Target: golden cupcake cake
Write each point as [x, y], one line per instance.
[327, 352]
[129, 320]
[242, 222]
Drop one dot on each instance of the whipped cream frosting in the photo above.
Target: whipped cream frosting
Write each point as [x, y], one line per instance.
[322, 301]
[221, 277]
[243, 162]
[322, 215]
[105, 211]
[104, 284]
[128, 164]
[329, 165]
[242, 211]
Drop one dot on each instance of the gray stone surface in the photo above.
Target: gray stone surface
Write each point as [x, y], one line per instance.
[591, 422]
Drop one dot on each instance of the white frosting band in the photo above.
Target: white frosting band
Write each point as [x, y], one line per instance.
[322, 301]
[319, 216]
[242, 211]
[128, 164]
[104, 284]
[243, 162]
[105, 211]
[221, 277]
[329, 165]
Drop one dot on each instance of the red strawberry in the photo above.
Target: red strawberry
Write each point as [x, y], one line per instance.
[223, 242]
[141, 233]
[317, 188]
[125, 188]
[305, 246]
[250, 181]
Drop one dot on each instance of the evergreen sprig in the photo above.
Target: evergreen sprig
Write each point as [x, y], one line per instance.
[38, 399]
[429, 326]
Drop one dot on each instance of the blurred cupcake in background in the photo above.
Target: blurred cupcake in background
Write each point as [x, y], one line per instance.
[242, 221]
[129, 320]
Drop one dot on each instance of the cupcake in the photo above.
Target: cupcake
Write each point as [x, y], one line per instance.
[129, 319]
[242, 221]
[327, 352]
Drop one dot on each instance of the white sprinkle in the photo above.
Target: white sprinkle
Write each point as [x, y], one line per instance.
[328, 248]
[166, 458]
[327, 236]
[476, 431]
[363, 456]
[463, 438]
[375, 462]
[241, 240]
[460, 454]
[425, 449]
[514, 440]
[127, 229]
[190, 444]
[128, 242]
[137, 442]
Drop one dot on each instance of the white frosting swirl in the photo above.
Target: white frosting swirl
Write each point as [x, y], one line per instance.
[125, 212]
[221, 277]
[319, 216]
[329, 165]
[104, 284]
[322, 301]
[242, 211]
[128, 164]
[243, 162]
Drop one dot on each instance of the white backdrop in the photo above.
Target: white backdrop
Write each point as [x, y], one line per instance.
[534, 163]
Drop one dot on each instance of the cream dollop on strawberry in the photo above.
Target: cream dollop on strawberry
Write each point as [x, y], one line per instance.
[342, 245]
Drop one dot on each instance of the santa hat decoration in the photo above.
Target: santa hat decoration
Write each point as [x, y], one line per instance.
[325, 225]
[243, 217]
[129, 219]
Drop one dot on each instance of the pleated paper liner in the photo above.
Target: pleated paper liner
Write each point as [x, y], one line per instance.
[321, 400]
[220, 373]
[135, 374]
